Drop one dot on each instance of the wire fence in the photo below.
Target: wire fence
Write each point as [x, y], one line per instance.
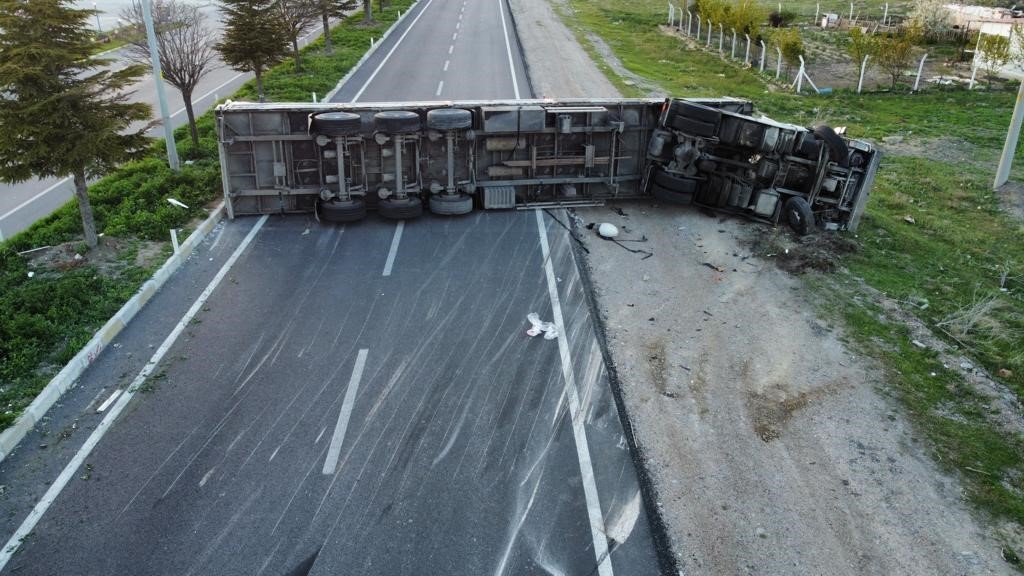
[825, 64]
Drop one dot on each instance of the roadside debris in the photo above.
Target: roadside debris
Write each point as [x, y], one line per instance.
[607, 230]
[177, 203]
[909, 219]
[537, 326]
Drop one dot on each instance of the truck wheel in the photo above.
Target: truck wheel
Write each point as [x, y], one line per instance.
[451, 205]
[336, 124]
[837, 148]
[396, 121]
[672, 183]
[669, 196]
[693, 111]
[799, 216]
[445, 119]
[341, 210]
[400, 209]
[694, 127]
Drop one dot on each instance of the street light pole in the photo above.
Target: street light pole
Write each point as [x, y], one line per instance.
[158, 79]
[99, 29]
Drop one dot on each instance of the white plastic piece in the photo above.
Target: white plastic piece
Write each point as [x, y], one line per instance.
[537, 326]
[607, 230]
[177, 203]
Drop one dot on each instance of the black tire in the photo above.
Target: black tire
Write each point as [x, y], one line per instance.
[693, 111]
[396, 121]
[837, 148]
[694, 127]
[449, 119]
[673, 183]
[799, 216]
[341, 210]
[400, 209]
[451, 205]
[669, 196]
[336, 124]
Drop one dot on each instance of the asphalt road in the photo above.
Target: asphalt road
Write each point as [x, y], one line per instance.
[360, 399]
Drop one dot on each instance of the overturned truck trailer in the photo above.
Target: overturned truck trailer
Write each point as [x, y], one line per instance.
[340, 160]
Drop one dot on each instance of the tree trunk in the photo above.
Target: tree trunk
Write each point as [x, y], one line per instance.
[367, 11]
[298, 55]
[259, 83]
[187, 96]
[327, 33]
[85, 209]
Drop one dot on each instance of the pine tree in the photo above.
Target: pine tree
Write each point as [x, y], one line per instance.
[62, 112]
[254, 39]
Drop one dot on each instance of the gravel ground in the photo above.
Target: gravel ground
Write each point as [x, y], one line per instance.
[772, 448]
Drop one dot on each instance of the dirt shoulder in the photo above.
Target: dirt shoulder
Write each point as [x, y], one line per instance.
[772, 448]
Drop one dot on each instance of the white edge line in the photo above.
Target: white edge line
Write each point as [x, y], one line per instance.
[36, 197]
[392, 51]
[106, 404]
[331, 463]
[508, 50]
[597, 526]
[65, 476]
[394, 243]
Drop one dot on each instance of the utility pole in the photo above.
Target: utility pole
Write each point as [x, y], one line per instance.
[154, 56]
[99, 29]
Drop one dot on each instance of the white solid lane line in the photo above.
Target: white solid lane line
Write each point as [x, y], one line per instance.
[439, 86]
[331, 463]
[34, 198]
[597, 527]
[508, 50]
[65, 476]
[392, 51]
[394, 241]
[106, 404]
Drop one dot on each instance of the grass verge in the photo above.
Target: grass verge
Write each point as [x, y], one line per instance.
[51, 302]
[933, 240]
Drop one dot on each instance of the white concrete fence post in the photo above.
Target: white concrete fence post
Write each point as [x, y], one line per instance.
[778, 62]
[817, 10]
[698, 27]
[746, 54]
[689, 22]
[1010, 145]
[733, 54]
[680, 20]
[671, 13]
[863, 67]
[763, 51]
[885, 16]
[711, 28]
[851, 11]
[920, 68]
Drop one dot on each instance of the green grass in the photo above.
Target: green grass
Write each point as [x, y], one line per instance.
[956, 256]
[47, 318]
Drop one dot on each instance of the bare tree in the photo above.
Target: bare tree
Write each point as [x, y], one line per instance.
[297, 16]
[185, 44]
[333, 9]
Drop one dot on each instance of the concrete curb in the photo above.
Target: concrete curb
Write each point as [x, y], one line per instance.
[327, 97]
[66, 378]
